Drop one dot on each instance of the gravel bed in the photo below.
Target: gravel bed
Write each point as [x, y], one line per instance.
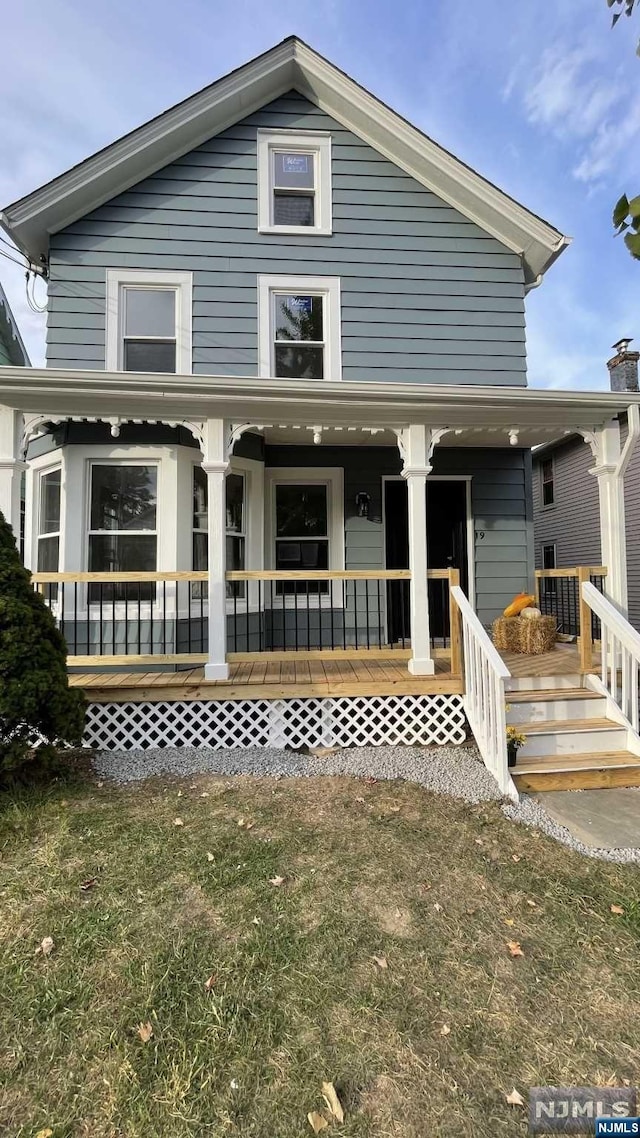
[456, 771]
[530, 812]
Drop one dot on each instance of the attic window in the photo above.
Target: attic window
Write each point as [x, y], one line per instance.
[294, 182]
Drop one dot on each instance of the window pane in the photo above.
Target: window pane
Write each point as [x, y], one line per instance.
[200, 552]
[149, 312]
[115, 553]
[547, 493]
[301, 511]
[199, 501]
[549, 557]
[301, 555]
[299, 362]
[235, 499]
[48, 552]
[298, 317]
[50, 502]
[149, 355]
[293, 209]
[123, 497]
[293, 169]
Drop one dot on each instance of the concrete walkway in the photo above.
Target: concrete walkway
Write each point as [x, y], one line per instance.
[604, 819]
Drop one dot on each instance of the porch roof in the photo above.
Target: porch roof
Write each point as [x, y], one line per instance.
[475, 415]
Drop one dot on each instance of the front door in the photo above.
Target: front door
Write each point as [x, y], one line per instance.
[446, 549]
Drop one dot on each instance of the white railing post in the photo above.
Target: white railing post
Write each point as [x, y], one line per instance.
[415, 471]
[619, 641]
[215, 465]
[485, 676]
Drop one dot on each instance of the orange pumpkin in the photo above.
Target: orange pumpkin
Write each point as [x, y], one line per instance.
[520, 602]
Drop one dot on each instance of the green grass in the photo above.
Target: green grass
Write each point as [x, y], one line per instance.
[297, 998]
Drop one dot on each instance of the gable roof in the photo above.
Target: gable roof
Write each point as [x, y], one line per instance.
[10, 335]
[290, 64]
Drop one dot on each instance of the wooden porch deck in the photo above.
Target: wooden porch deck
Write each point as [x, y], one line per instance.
[296, 676]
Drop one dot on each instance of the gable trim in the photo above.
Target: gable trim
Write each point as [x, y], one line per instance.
[291, 64]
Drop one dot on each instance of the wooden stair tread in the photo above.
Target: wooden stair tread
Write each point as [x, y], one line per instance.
[556, 726]
[547, 764]
[533, 696]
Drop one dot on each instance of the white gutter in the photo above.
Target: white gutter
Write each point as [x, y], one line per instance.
[633, 420]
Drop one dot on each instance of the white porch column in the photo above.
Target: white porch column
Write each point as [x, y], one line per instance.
[11, 467]
[415, 446]
[609, 470]
[215, 465]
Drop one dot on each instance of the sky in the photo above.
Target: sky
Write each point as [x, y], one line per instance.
[543, 102]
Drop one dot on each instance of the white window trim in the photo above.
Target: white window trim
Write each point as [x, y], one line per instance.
[319, 142]
[253, 473]
[329, 289]
[333, 478]
[142, 278]
[122, 608]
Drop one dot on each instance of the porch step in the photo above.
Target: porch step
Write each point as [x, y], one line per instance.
[543, 683]
[561, 737]
[529, 708]
[595, 770]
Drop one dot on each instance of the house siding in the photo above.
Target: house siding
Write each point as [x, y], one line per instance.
[572, 522]
[427, 296]
[500, 504]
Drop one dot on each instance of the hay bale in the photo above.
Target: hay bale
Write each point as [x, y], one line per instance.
[506, 633]
[537, 635]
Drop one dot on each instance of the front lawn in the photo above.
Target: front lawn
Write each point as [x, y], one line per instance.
[431, 1044]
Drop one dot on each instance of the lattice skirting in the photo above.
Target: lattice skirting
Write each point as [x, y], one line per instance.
[372, 721]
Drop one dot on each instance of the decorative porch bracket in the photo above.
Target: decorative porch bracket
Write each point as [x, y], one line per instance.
[11, 466]
[611, 463]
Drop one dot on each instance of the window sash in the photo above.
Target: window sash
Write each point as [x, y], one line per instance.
[131, 338]
[321, 539]
[200, 529]
[120, 591]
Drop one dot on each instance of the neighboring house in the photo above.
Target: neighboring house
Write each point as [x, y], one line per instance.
[12, 349]
[286, 375]
[567, 508]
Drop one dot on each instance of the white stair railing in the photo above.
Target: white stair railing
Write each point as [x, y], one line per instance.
[620, 655]
[485, 677]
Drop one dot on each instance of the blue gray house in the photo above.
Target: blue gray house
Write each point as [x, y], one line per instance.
[284, 431]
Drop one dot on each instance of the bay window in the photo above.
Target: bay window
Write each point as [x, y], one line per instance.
[122, 526]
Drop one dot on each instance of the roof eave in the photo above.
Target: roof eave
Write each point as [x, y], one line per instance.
[292, 63]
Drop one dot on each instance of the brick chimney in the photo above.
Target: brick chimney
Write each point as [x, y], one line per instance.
[623, 367]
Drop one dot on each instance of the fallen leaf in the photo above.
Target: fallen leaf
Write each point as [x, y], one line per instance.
[256, 921]
[145, 1031]
[46, 1133]
[445, 1029]
[618, 910]
[179, 794]
[478, 841]
[394, 809]
[234, 1084]
[333, 1102]
[360, 799]
[277, 881]
[178, 822]
[242, 822]
[509, 921]
[515, 948]
[381, 961]
[208, 984]
[515, 1098]
[88, 884]
[424, 888]
[205, 794]
[516, 857]
[46, 946]
[438, 907]
[99, 785]
[210, 856]
[316, 1121]
[531, 904]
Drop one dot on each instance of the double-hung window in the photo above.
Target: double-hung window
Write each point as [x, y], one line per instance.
[302, 533]
[299, 327]
[236, 535]
[122, 527]
[148, 321]
[550, 584]
[294, 182]
[546, 477]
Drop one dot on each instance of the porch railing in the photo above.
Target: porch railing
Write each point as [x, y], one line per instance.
[162, 617]
[559, 594]
[620, 656]
[485, 684]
